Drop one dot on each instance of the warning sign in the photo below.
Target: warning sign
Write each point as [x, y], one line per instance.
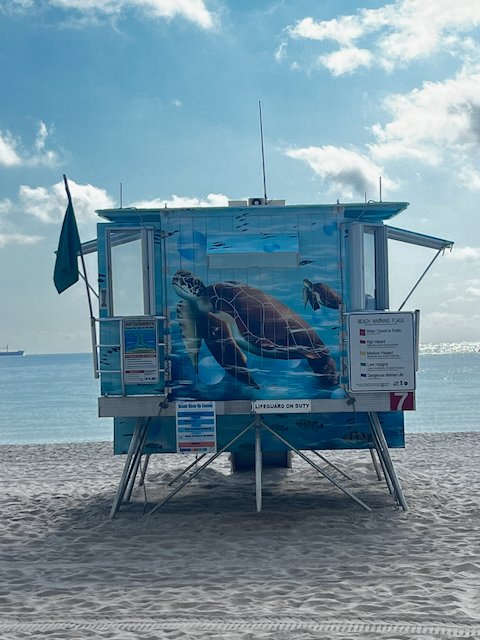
[381, 351]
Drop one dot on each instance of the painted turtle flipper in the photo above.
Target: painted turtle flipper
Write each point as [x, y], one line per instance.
[324, 366]
[224, 348]
[192, 338]
[309, 295]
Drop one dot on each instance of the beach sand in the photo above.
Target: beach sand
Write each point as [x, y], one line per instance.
[312, 564]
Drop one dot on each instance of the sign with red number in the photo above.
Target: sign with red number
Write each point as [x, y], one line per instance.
[402, 401]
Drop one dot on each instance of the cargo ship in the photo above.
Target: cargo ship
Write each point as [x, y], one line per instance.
[4, 351]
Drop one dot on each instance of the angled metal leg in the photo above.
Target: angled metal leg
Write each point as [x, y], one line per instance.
[376, 465]
[258, 464]
[378, 449]
[135, 466]
[349, 493]
[134, 453]
[143, 470]
[179, 475]
[384, 455]
[200, 469]
[334, 466]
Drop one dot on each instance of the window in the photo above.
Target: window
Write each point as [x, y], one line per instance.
[130, 272]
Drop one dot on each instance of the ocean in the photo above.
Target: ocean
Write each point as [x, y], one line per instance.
[53, 398]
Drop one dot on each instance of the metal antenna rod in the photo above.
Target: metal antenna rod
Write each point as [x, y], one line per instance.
[263, 151]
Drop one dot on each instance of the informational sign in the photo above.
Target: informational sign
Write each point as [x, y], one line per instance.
[196, 427]
[381, 351]
[402, 401]
[140, 355]
[281, 406]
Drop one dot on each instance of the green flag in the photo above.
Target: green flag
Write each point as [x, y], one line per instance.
[69, 246]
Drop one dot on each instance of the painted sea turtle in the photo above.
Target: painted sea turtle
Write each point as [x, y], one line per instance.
[319, 294]
[233, 318]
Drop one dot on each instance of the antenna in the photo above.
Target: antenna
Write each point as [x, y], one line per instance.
[263, 151]
[121, 195]
[380, 186]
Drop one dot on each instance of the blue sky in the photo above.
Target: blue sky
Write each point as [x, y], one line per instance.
[162, 96]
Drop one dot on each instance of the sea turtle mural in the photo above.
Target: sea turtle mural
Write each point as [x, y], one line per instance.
[233, 318]
[320, 295]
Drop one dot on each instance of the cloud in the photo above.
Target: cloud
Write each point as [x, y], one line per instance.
[9, 233]
[397, 33]
[48, 204]
[464, 254]
[346, 60]
[346, 172]
[13, 152]
[438, 114]
[8, 150]
[436, 124]
[15, 6]
[18, 238]
[181, 202]
[192, 10]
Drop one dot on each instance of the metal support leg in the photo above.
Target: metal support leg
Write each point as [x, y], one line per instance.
[258, 464]
[134, 452]
[200, 469]
[334, 466]
[321, 471]
[384, 456]
[135, 467]
[179, 475]
[378, 449]
[376, 465]
[143, 470]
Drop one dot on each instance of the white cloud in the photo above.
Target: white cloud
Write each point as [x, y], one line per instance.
[346, 172]
[49, 204]
[15, 6]
[193, 10]
[438, 123]
[464, 254]
[473, 291]
[5, 206]
[8, 150]
[344, 30]
[457, 326]
[9, 234]
[398, 32]
[18, 238]
[180, 202]
[13, 153]
[346, 60]
[469, 176]
[281, 51]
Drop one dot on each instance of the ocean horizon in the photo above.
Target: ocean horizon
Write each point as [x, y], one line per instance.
[52, 398]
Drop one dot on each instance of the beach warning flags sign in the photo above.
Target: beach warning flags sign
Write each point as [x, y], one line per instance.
[69, 247]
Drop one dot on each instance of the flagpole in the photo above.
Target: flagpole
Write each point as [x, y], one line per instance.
[93, 331]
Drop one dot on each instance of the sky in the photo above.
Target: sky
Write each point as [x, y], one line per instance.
[161, 97]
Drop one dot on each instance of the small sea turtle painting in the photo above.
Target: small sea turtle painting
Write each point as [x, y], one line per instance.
[234, 318]
[320, 295]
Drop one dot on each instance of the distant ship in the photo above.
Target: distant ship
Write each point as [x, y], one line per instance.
[5, 352]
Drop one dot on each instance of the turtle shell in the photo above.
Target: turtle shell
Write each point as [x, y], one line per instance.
[265, 322]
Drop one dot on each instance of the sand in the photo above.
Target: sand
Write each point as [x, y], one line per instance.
[313, 564]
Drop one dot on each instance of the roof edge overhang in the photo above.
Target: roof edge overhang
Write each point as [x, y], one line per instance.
[420, 239]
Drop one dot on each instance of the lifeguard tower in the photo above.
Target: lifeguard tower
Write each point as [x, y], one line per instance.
[257, 329]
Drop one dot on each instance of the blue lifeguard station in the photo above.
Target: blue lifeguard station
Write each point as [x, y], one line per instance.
[256, 329]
